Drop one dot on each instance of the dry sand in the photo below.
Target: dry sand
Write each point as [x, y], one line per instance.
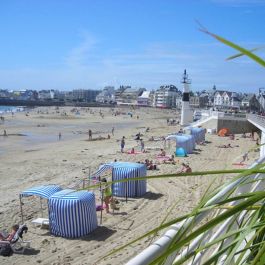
[39, 158]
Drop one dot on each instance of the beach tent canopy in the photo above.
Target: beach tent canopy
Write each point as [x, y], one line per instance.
[41, 191]
[125, 170]
[198, 133]
[72, 214]
[223, 132]
[186, 141]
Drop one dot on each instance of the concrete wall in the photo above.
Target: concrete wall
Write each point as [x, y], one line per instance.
[236, 126]
[211, 124]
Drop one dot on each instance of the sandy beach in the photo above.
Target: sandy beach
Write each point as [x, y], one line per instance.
[33, 155]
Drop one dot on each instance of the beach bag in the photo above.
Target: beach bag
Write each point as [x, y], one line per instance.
[5, 250]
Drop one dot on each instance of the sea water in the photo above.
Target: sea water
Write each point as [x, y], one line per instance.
[6, 109]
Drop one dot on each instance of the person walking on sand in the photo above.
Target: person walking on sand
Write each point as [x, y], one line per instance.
[244, 157]
[89, 135]
[60, 136]
[122, 144]
[112, 131]
[5, 133]
[142, 145]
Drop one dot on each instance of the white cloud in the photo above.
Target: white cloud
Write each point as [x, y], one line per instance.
[80, 54]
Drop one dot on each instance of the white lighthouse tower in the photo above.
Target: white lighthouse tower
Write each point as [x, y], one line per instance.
[186, 112]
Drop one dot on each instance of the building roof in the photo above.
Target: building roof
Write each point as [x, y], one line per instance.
[146, 94]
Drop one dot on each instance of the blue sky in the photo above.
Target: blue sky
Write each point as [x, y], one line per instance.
[69, 44]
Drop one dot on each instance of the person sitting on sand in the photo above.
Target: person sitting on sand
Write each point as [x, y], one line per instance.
[107, 194]
[146, 162]
[232, 137]
[171, 160]
[151, 166]
[225, 146]
[10, 236]
[138, 137]
[185, 168]
[163, 152]
[243, 135]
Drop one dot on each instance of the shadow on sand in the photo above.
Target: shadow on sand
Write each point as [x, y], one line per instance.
[100, 234]
[30, 252]
[152, 196]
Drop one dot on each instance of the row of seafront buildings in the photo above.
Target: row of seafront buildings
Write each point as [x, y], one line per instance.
[50, 95]
[166, 96]
[169, 96]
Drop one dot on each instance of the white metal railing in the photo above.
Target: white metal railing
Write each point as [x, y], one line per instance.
[159, 246]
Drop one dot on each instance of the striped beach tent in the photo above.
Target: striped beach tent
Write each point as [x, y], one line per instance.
[102, 169]
[41, 191]
[197, 132]
[128, 170]
[125, 170]
[185, 141]
[72, 214]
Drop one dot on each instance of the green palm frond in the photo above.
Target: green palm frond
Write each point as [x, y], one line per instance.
[242, 54]
[234, 46]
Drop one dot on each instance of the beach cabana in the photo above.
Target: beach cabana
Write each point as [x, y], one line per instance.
[198, 133]
[123, 171]
[187, 142]
[41, 192]
[72, 214]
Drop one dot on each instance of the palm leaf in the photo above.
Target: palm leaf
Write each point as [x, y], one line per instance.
[235, 46]
[242, 54]
[210, 224]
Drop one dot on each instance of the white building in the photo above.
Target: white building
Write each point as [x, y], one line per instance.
[165, 97]
[107, 95]
[46, 94]
[128, 96]
[226, 99]
[179, 100]
[145, 99]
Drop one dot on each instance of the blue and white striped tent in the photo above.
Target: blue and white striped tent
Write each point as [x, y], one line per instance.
[72, 213]
[199, 134]
[185, 141]
[41, 191]
[126, 170]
